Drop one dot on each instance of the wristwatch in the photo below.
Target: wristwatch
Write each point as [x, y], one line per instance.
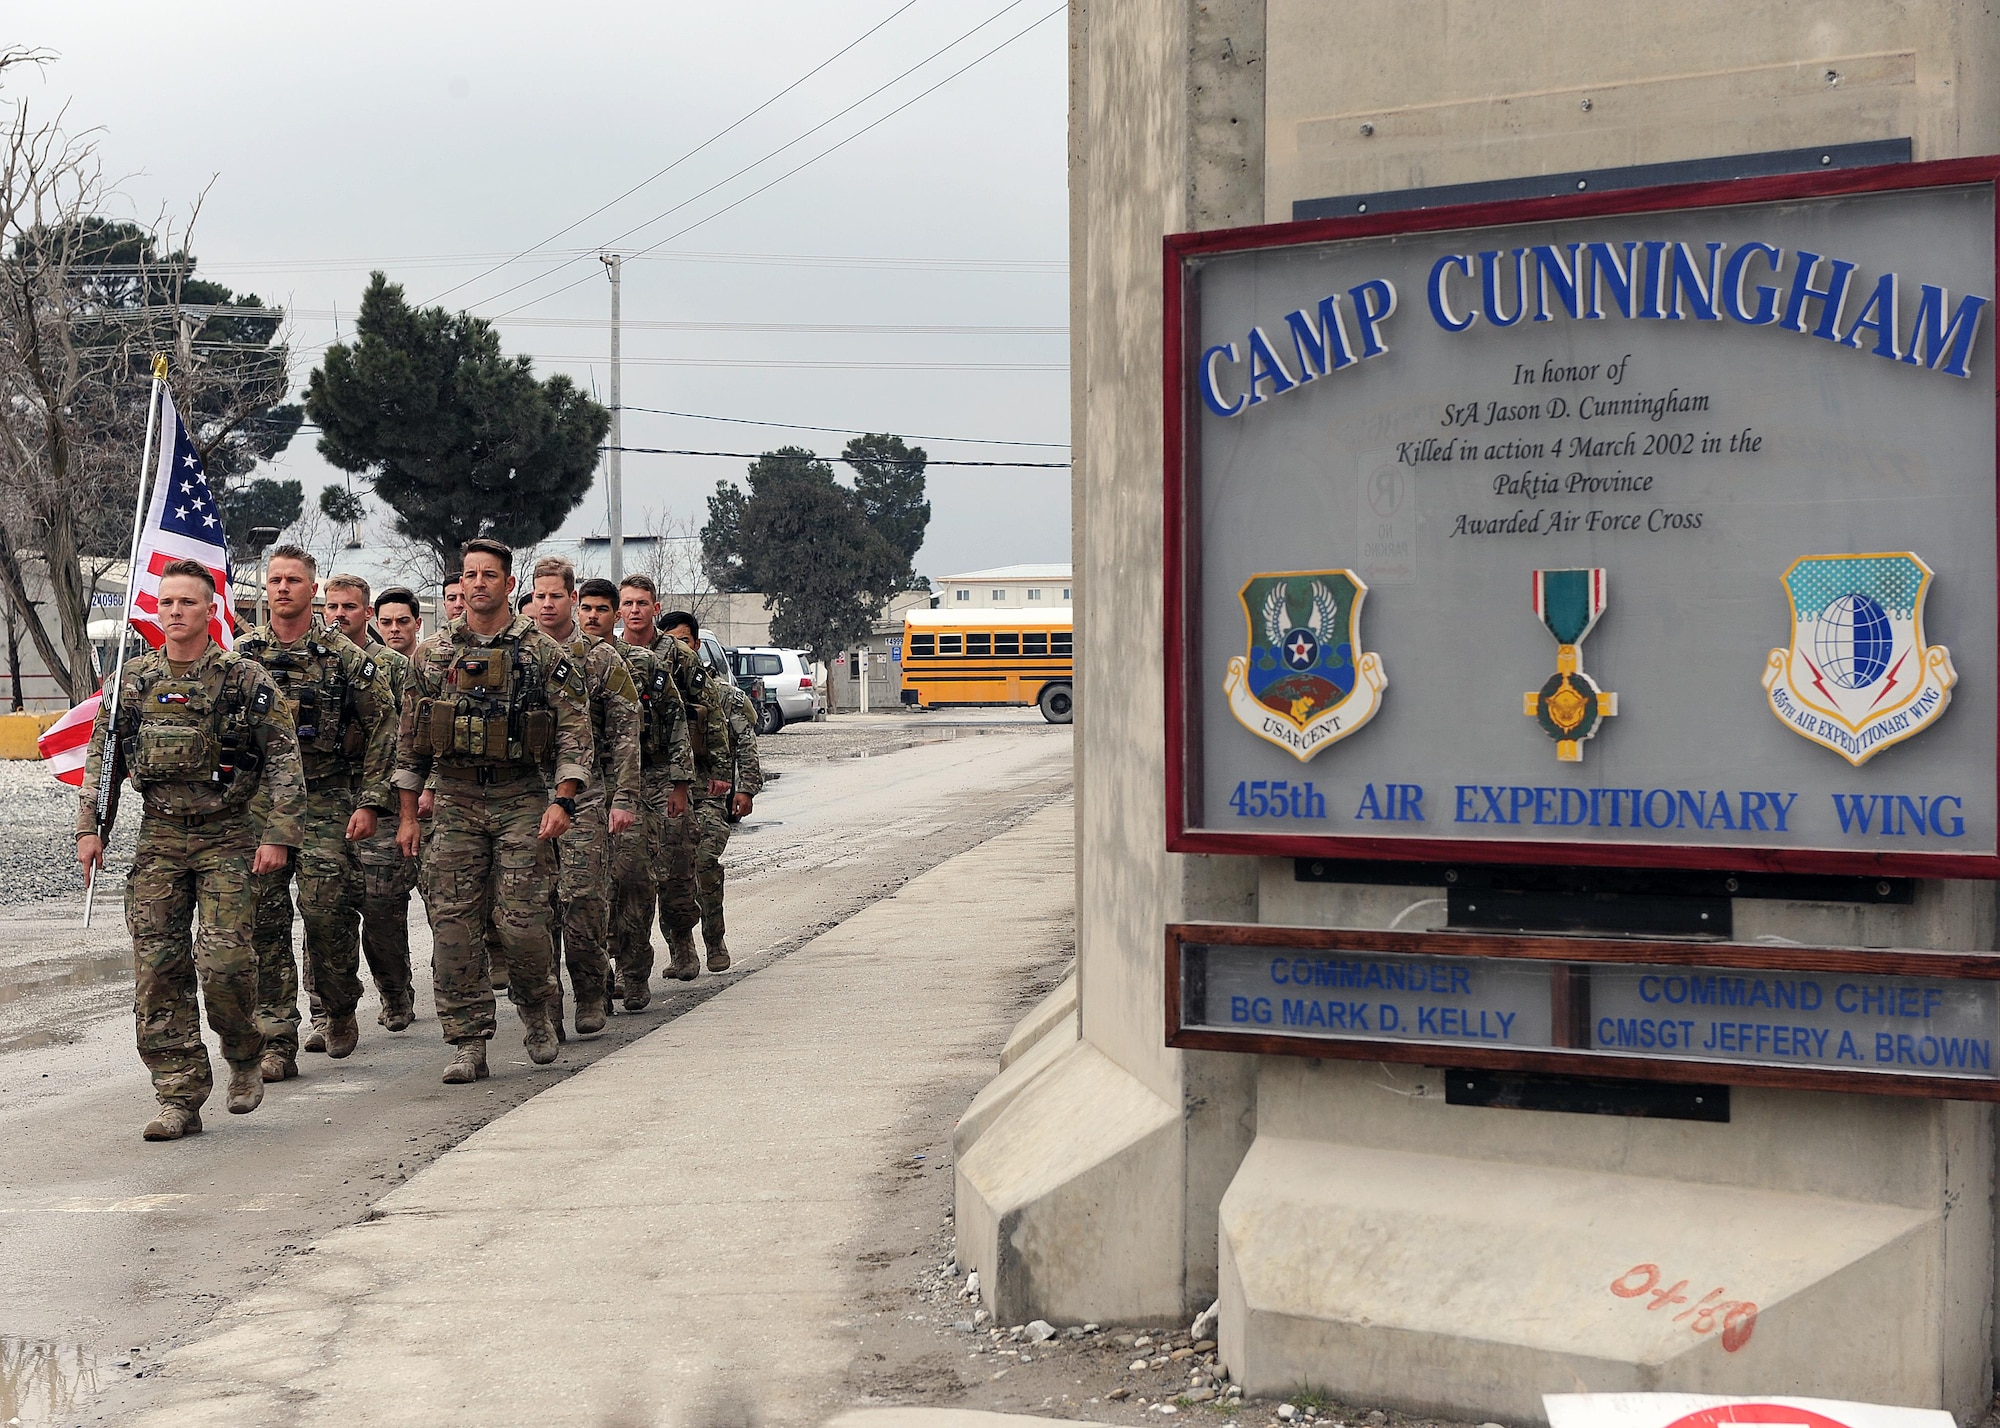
[567, 805]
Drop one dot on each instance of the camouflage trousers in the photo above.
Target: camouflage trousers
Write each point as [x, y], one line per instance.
[700, 836]
[387, 879]
[486, 868]
[638, 879]
[330, 890]
[177, 873]
[583, 897]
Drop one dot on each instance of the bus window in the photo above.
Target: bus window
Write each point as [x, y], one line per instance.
[1034, 644]
[948, 644]
[1059, 642]
[1006, 644]
[922, 646]
[979, 644]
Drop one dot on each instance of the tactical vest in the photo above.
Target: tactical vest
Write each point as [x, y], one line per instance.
[494, 708]
[178, 729]
[324, 701]
[694, 680]
[657, 703]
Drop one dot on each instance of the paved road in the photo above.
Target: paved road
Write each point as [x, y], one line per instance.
[109, 1245]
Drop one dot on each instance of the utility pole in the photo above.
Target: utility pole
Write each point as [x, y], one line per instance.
[614, 491]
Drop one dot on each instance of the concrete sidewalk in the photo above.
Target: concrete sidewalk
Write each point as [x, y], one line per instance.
[659, 1239]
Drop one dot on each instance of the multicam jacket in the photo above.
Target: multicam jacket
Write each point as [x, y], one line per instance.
[614, 718]
[510, 703]
[342, 703]
[663, 725]
[740, 764]
[203, 742]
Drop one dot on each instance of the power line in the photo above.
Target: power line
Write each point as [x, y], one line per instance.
[845, 430]
[1012, 4]
[599, 323]
[810, 366]
[662, 173]
[419, 260]
[759, 455]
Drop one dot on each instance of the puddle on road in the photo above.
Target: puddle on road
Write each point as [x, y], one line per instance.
[42, 1381]
[38, 978]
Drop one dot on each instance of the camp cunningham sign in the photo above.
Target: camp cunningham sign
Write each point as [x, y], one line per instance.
[1643, 528]
[1646, 280]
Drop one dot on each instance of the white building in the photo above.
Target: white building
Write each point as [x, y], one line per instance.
[1007, 587]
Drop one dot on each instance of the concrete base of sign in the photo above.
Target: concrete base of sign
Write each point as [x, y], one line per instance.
[1048, 1014]
[1068, 1201]
[999, 1093]
[1385, 1247]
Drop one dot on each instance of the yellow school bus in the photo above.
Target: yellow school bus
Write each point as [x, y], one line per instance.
[960, 657]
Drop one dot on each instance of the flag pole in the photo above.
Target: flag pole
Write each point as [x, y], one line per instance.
[107, 760]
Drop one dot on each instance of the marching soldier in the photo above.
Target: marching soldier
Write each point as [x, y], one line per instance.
[606, 809]
[209, 744]
[723, 795]
[666, 769]
[343, 707]
[387, 877]
[708, 734]
[493, 703]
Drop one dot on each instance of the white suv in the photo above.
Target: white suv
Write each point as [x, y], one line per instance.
[789, 696]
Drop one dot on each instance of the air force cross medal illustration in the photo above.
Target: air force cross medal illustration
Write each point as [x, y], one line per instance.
[1305, 682]
[1857, 676]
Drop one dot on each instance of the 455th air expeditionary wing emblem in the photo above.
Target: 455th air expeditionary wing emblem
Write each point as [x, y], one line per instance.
[1304, 682]
[1857, 676]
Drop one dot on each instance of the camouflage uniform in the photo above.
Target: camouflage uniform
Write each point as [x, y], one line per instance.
[709, 821]
[488, 716]
[211, 751]
[708, 738]
[387, 878]
[583, 882]
[344, 708]
[638, 859]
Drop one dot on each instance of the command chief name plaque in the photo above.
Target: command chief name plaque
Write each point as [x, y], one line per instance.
[1653, 528]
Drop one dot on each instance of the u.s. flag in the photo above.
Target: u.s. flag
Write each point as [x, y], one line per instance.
[183, 523]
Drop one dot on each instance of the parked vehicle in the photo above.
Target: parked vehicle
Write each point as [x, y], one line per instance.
[787, 695]
[989, 657]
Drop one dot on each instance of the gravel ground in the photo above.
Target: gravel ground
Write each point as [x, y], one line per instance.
[37, 835]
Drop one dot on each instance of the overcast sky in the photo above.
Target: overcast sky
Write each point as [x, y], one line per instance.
[436, 140]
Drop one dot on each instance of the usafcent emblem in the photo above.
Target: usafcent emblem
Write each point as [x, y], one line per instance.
[1304, 682]
[1857, 676]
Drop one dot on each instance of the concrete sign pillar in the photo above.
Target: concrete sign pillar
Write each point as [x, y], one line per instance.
[1367, 1229]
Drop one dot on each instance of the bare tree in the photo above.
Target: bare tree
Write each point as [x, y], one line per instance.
[672, 559]
[85, 304]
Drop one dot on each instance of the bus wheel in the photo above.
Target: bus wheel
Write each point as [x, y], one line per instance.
[1055, 704]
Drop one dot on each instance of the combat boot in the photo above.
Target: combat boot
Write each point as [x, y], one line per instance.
[469, 1064]
[718, 956]
[316, 1038]
[541, 1038]
[173, 1122]
[638, 996]
[276, 1066]
[342, 1035]
[683, 967]
[246, 1087]
[589, 1015]
[398, 1017]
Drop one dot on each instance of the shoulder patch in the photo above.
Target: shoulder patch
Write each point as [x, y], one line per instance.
[260, 702]
[563, 673]
[368, 669]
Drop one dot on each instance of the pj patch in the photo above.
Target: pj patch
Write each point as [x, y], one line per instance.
[1304, 682]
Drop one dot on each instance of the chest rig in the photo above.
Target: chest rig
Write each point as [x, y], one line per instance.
[493, 708]
[658, 705]
[696, 691]
[323, 699]
[183, 729]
